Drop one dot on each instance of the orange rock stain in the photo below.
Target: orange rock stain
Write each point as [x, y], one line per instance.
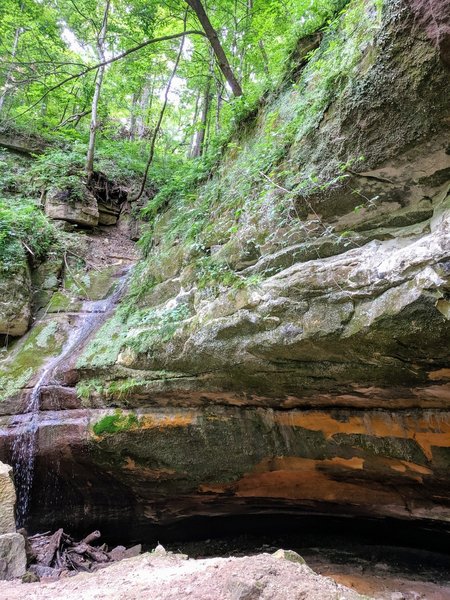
[427, 433]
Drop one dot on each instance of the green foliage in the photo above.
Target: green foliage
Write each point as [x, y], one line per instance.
[104, 349]
[63, 167]
[258, 179]
[115, 423]
[249, 180]
[116, 390]
[23, 229]
[212, 274]
[149, 327]
[87, 387]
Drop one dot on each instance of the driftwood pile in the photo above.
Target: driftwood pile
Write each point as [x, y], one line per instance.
[58, 554]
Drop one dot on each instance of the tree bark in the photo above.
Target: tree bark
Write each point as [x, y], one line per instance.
[98, 88]
[133, 116]
[8, 78]
[201, 133]
[213, 38]
[194, 124]
[219, 105]
[144, 108]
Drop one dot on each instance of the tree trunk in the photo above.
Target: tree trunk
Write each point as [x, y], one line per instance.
[98, 88]
[219, 105]
[144, 107]
[265, 59]
[200, 138]
[133, 116]
[8, 78]
[211, 34]
[194, 124]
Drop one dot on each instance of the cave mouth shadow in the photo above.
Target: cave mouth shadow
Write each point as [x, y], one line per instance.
[420, 549]
[406, 546]
[311, 529]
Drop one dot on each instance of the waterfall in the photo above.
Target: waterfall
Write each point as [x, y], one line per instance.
[24, 445]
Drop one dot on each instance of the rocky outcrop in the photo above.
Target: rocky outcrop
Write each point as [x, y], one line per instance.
[15, 302]
[99, 203]
[136, 469]
[347, 323]
[12, 556]
[434, 16]
[281, 364]
[62, 206]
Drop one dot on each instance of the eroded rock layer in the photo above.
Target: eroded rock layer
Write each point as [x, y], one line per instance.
[155, 466]
[291, 365]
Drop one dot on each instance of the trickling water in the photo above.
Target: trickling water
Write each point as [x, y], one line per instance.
[24, 444]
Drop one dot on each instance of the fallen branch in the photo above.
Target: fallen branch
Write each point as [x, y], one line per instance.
[58, 553]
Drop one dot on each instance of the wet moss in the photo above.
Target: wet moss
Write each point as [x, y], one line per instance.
[119, 421]
[91, 285]
[104, 348]
[45, 340]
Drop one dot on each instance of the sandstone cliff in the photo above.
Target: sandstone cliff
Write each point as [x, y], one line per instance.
[284, 345]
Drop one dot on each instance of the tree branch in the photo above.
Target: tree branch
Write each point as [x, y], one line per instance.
[161, 114]
[109, 61]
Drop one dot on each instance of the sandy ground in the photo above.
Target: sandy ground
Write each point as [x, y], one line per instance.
[148, 577]
[388, 587]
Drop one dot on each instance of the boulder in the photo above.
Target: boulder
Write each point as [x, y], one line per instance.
[7, 500]
[13, 561]
[63, 206]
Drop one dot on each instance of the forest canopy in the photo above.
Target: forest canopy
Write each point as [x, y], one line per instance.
[158, 78]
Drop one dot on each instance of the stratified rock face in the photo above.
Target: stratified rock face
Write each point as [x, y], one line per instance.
[15, 302]
[133, 469]
[61, 206]
[320, 381]
[7, 500]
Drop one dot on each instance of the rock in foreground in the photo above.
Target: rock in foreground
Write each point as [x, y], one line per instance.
[261, 577]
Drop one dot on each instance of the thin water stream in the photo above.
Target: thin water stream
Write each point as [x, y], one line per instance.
[91, 317]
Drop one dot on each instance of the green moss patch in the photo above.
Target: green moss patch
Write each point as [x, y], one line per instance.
[60, 302]
[115, 423]
[44, 341]
[141, 329]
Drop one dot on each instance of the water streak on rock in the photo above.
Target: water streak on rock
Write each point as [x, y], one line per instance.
[25, 442]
